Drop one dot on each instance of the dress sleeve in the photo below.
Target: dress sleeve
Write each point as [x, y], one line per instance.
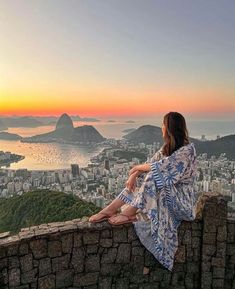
[169, 170]
[157, 156]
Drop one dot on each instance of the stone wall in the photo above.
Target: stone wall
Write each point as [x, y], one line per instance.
[77, 254]
[230, 256]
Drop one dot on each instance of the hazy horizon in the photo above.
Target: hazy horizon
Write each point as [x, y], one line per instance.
[124, 118]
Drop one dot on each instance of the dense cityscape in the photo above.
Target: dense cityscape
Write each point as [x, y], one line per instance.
[106, 174]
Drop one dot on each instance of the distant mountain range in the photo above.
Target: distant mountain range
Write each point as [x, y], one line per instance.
[128, 130]
[149, 134]
[9, 136]
[224, 144]
[65, 132]
[24, 121]
[3, 126]
[34, 121]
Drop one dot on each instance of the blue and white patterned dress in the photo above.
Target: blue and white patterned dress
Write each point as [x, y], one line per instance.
[165, 196]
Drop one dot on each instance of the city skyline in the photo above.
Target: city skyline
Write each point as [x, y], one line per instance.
[115, 59]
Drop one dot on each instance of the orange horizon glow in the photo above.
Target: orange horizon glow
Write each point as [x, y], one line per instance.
[125, 102]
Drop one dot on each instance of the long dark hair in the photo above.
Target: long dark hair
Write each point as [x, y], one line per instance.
[176, 134]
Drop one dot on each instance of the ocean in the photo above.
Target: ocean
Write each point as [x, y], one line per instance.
[46, 156]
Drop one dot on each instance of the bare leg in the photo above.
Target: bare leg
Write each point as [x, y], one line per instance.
[129, 210]
[110, 210]
[129, 213]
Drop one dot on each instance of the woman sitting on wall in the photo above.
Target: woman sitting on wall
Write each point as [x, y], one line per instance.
[166, 195]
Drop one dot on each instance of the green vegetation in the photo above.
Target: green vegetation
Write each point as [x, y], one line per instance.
[41, 206]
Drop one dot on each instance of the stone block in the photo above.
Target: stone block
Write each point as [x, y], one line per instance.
[180, 254]
[92, 263]
[23, 248]
[26, 262]
[187, 237]
[209, 226]
[120, 235]
[106, 234]
[2, 252]
[131, 234]
[196, 225]
[208, 250]
[67, 243]
[122, 283]
[218, 272]
[44, 266]
[209, 238]
[106, 243]
[139, 279]
[206, 266]
[221, 249]
[218, 262]
[138, 251]
[124, 253]
[85, 279]
[29, 276]
[149, 286]
[3, 263]
[149, 259]
[222, 233]
[230, 238]
[14, 277]
[110, 269]
[39, 248]
[12, 250]
[138, 264]
[92, 249]
[105, 283]
[110, 256]
[231, 249]
[77, 242]
[54, 249]
[231, 226]
[157, 275]
[60, 263]
[35, 263]
[78, 259]
[46, 282]
[206, 280]
[13, 262]
[218, 283]
[90, 238]
[64, 278]
[4, 278]
[195, 242]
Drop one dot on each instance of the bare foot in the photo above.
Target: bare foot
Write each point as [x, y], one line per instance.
[122, 219]
[101, 216]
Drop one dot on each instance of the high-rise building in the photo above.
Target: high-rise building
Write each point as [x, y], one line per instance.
[75, 170]
[106, 164]
[216, 186]
[206, 186]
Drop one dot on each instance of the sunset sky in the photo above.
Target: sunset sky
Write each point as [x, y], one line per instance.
[117, 57]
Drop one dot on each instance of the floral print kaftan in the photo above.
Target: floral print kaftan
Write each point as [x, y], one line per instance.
[165, 196]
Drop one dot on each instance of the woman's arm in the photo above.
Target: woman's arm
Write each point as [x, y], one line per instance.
[139, 169]
[145, 167]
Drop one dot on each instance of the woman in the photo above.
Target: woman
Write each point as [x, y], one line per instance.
[166, 196]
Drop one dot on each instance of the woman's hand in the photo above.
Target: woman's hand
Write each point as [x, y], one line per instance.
[131, 182]
[141, 168]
